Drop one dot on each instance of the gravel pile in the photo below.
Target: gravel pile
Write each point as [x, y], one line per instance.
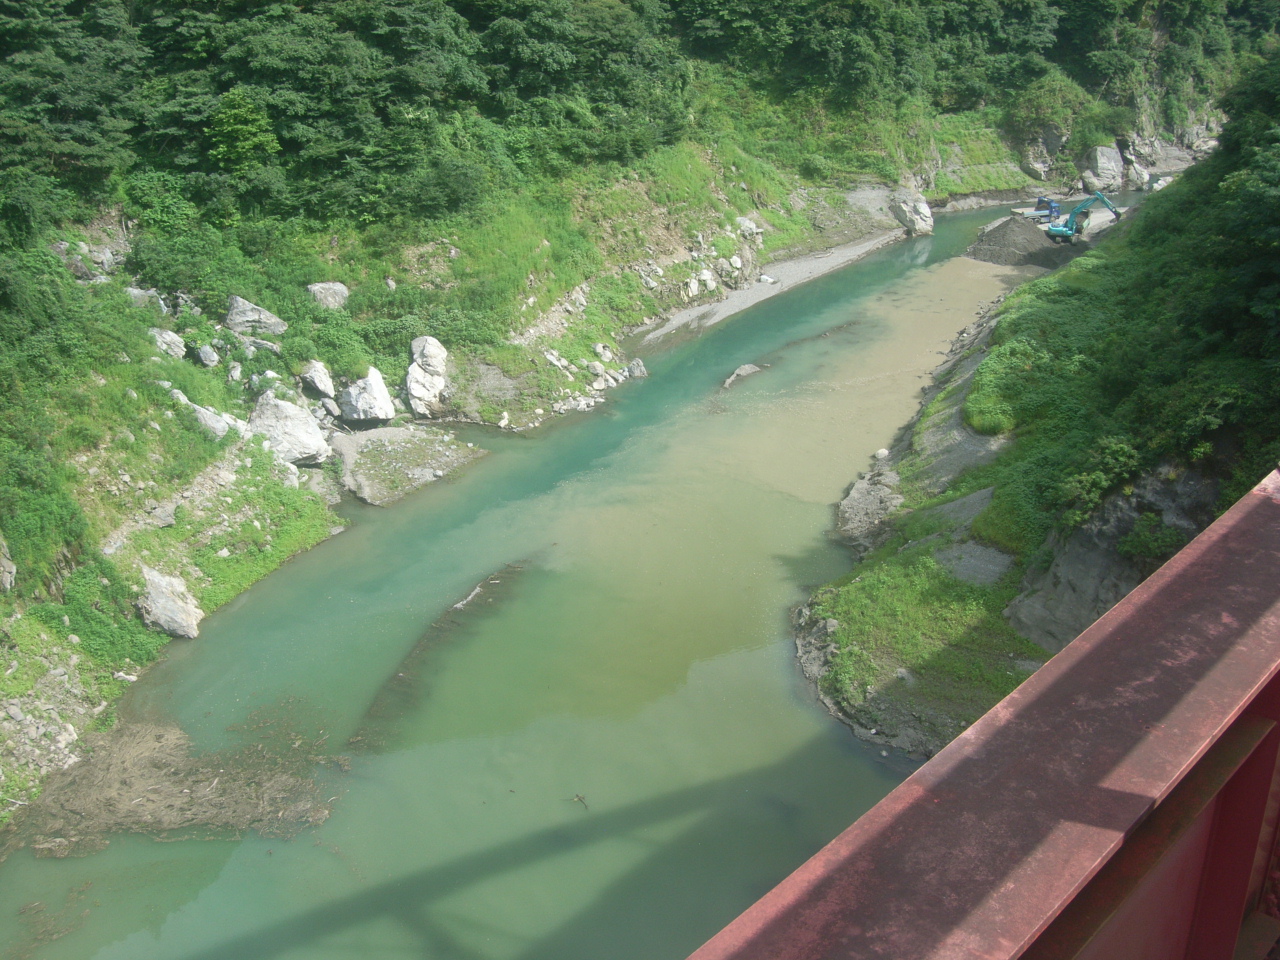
[1017, 242]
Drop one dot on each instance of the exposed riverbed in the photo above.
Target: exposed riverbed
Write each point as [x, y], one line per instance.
[608, 751]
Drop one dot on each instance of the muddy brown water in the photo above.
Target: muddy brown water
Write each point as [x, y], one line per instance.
[609, 751]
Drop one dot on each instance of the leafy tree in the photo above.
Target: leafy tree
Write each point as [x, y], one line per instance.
[240, 131]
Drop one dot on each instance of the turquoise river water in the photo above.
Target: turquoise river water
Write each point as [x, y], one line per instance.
[635, 654]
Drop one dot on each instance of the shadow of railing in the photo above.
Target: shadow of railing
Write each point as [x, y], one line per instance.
[719, 812]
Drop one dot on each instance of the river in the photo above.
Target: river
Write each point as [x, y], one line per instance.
[634, 654]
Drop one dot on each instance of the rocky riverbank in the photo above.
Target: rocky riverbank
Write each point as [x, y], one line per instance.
[909, 681]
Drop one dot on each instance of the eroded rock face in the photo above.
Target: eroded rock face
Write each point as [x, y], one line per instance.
[316, 376]
[869, 501]
[367, 399]
[8, 569]
[912, 211]
[1088, 575]
[1105, 171]
[249, 318]
[331, 296]
[167, 605]
[169, 342]
[294, 434]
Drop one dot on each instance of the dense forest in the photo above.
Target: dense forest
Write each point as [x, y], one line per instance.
[376, 109]
[493, 155]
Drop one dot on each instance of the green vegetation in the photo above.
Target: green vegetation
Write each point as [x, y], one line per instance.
[901, 609]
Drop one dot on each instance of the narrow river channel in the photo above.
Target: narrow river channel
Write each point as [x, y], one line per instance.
[635, 654]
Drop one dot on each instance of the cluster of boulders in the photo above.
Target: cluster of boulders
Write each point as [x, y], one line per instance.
[1134, 162]
[710, 271]
[297, 417]
[597, 375]
[89, 264]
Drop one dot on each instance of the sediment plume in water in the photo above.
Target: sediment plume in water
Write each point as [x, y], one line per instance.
[408, 684]
[143, 778]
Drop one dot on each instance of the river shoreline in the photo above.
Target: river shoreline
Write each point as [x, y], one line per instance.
[788, 273]
[784, 274]
[864, 521]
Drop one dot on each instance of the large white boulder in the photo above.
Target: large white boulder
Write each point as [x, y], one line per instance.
[430, 354]
[316, 376]
[912, 211]
[169, 342]
[367, 399]
[427, 378]
[332, 296]
[1105, 170]
[294, 434]
[246, 317]
[168, 605]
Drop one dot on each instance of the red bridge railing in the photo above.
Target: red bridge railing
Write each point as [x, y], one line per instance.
[1121, 804]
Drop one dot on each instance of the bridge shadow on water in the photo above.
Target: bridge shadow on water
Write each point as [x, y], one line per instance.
[663, 908]
[987, 834]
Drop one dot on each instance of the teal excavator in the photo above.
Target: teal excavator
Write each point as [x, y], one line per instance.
[1074, 225]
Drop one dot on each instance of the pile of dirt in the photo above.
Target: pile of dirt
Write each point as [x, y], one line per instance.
[143, 778]
[1017, 242]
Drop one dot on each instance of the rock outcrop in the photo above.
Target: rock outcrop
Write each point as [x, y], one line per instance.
[147, 298]
[8, 569]
[167, 604]
[427, 377]
[249, 318]
[1088, 574]
[293, 433]
[746, 370]
[384, 464]
[168, 342]
[868, 502]
[216, 422]
[1105, 170]
[912, 211]
[331, 296]
[367, 399]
